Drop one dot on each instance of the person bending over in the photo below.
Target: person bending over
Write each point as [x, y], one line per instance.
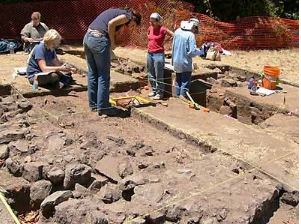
[98, 41]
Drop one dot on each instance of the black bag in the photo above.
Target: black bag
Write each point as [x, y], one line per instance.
[66, 78]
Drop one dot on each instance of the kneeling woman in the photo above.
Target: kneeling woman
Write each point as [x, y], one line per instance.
[44, 66]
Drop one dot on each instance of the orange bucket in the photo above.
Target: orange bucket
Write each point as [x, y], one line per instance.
[270, 77]
[269, 84]
[271, 71]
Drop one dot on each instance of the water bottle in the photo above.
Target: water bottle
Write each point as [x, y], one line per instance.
[35, 84]
[250, 82]
[11, 48]
[253, 88]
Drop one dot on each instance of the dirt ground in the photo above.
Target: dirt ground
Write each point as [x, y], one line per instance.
[286, 60]
[61, 163]
[149, 177]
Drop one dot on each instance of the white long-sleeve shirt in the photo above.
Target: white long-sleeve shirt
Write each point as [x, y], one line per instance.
[183, 50]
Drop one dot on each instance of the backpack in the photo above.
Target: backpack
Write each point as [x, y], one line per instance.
[5, 45]
[213, 54]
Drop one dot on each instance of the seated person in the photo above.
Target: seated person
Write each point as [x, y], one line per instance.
[33, 32]
[44, 66]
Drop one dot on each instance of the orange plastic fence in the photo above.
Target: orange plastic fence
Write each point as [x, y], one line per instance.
[71, 19]
[258, 32]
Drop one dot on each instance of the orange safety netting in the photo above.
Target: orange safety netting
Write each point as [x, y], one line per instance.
[71, 19]
[258, 32]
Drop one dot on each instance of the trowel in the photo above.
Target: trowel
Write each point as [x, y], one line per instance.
[193, 105]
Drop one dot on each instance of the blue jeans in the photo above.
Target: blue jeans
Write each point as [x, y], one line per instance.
[97, 50]
[182, 83]
[155, 71]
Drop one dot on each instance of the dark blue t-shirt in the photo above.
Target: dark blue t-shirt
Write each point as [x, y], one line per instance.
[102, 21]
[40, 52]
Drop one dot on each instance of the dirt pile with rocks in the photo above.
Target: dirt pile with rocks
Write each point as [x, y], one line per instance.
[119, 171]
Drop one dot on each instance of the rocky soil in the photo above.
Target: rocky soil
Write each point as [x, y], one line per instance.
[63, 164]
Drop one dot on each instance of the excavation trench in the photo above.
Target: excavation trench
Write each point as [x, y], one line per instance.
[212, 91]
[166, 163]
[156, 162]
[203, 90]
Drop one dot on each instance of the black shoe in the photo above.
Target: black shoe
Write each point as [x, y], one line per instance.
[93, 109]
[112, 112]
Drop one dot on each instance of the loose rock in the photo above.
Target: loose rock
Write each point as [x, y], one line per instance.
[221, 215]
[54, 199]
[9, 115]
[118, 140]
[109, 194]
[25, 106]
[81, 192]
[31, 113]
[149, 194]
[98, 183]
[143, 165]
[291, 198]
[89, 144]
[14, 167]
[55, 175]
[159, 165]
[77, 173]
[132, 181]
[241, 78]
[174, 214]
[139, 220]
[220, 76]
[8, 136]
[108, 166]
[4, 152]
[125, 169]
[228, 83]
[20, 146]
[16, 187]
[55, 142]
[184, 171]
[157, 217]
[148, 151]
[211, 80]
[33, 171]
[82, 211]
[39, 191]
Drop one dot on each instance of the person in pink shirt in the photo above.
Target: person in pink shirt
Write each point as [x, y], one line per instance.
[155, 55]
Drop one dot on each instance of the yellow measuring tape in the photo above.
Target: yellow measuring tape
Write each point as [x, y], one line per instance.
[114, 101]
[8, 208]
[209, 188]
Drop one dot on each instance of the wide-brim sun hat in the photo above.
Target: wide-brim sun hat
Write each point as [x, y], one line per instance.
[188, 25]
[195, 23]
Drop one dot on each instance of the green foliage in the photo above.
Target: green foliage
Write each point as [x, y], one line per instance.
[226, 10]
